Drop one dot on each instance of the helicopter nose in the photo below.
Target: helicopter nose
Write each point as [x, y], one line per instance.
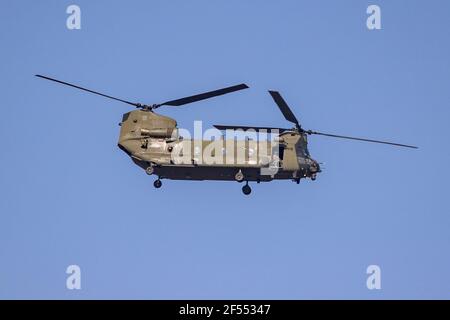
[315, 167]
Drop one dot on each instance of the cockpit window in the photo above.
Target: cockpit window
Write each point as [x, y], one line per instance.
[305, 144]
[302, 147]
[307, 151]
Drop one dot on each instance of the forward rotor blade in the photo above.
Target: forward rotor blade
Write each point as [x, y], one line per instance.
[361, 139]
[284, 108]
[245, 128]
[88, 90]
[203, 96]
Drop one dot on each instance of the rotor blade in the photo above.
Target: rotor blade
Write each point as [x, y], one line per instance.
[284, 108]
[203, 96]
[361, 139]
[91, 91]
[245, 128]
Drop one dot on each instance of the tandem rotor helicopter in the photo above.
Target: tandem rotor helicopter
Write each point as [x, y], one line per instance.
[151, 140]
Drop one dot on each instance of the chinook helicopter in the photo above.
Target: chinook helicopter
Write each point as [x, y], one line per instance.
[152, 141]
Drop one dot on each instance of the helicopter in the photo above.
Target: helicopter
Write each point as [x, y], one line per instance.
[153, 142]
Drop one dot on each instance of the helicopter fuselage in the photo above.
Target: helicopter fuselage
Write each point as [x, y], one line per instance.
[153, 143]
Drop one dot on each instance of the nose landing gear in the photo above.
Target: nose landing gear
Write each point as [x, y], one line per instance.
[246, 189]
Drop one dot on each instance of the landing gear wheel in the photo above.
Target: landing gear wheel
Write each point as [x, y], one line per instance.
[157, 184]
[246, 189]
[150, 170]
[239, 176]
[313, 177]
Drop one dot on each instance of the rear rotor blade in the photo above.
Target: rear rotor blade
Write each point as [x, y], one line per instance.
[284, 108]
[245, 128]
[360, 139]
[203, 96]
[88, 90]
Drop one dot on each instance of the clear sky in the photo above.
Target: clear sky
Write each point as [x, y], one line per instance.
[70, 196]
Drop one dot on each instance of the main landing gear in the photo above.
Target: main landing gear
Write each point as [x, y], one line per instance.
[151, 170]
[157, 184]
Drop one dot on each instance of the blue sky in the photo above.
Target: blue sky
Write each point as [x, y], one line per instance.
[70, 196]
